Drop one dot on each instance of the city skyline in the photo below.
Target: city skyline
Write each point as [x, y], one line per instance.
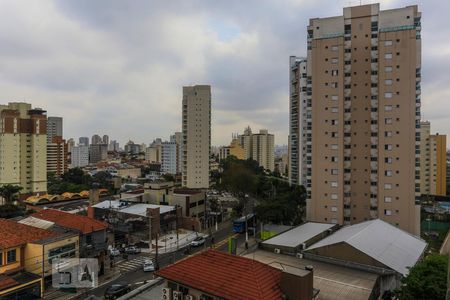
[111, 75]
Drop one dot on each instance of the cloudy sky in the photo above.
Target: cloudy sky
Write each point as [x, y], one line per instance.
[118, 67]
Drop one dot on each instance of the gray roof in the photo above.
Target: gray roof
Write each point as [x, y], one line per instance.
[36, 222]
[133, 208]
[298, 235]
[382, 241]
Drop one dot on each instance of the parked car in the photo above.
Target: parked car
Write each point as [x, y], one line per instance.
[114, 252]
[198, 241]
[132, 250]
[148, 266]
[116, 290]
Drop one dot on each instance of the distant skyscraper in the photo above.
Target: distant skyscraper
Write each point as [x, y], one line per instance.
[178, 138]
[23, 147]
[79, 156]
[97, 153]
[105, 139]
[363, 117]
[96, 139]
[259, 147]
[169, 157]
[113, 146]
[70, 145]
[54, 128]
[84, 140]
[196, 122]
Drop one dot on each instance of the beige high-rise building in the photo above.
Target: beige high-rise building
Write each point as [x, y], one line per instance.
[23, 147]
[363, 102]
[263, 148]
[196, 123]
[432, 161]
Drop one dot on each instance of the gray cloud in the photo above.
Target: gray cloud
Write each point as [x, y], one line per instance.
[117, 67]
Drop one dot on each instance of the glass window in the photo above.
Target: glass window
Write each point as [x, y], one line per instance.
[334, 60]
[388, 69]
[388, 199]
[388, 186]
[334, 48]
[334, 171]
[334, 97]
[334, 109]
[387, 107]
[334, 158]
[388, 56]
[11, 256]
[334, 184]
[388, 95]
[388, 43]
[387, 212]
[388, 82]
[388, 173]
[334, 146]
[333, 208]
[388, 121]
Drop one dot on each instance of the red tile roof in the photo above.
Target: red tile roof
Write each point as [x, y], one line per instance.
[81, 223]
[13, 234]
[226, 276]
[6, 282]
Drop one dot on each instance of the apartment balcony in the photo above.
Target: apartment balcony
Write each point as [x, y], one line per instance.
[374, 54]
[347, 68]
[374, 165]
[347, 188]
[347, 92]
[347, 164]
[347, 104]
[373, 202]
[374, 103]
[374, 140]
[347, 56]
[347, 212]
[347, 140]
[348, 80]
[347, 176]
[374, 152]
[374, 42]
[374, 79]
[347, 152]
[374, 91]
[373, 189]
[347, 44]
[374, 214]
[347, 116]
[373, 177]
[347, 128]
[347, 201]
[374, 116]
[374, 128]
[374, 66]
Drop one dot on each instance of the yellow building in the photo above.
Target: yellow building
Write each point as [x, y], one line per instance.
[158, 192]
[26, 253]
[236, 149]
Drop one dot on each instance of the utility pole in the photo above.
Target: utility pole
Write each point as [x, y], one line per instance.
[149, 232]
[176, 224]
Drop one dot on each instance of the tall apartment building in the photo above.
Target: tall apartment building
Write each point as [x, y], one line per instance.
[113, 146]
[84, 140]
[178, 138]
[196, 122]
[97, 153]
[23, 147]
[297, 120]
[70, 144]
[169, 152]
[79, 156]
[432, 161]
[57, 161]
[363, 110]
[96, 139]
[105, 139]
[54, 128]
[263, 150]
[258, 146]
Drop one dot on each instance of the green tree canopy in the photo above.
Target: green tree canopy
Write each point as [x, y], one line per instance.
[9, 192]
[426, 280]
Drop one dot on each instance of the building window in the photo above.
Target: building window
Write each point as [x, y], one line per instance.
[334, 48]
[388, 82]
[334, 171]
[388, 43]
[334, 109]
[334, 84]
[388, 121]
[387, 212]
[387, 107]
[388, 160]
[388, 173]
[334, 158]
[388, 186]
[334, 72]
[334, 184]
[388, 199]
[388, 95]
[388, 56]
[334, 97]
[388, 69]
[333, 208]
[11, 256]
[388, 133]
[334, 60]
[334, 146]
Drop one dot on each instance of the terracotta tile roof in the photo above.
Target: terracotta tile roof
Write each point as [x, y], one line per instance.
[14, 234]
[81, 223]
[226, 276]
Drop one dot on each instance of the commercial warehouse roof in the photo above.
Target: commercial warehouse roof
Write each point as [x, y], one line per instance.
[35, 222]
[298, 235]
[133, 208]
[380, 240]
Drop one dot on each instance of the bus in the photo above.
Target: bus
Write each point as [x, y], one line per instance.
[239, 224]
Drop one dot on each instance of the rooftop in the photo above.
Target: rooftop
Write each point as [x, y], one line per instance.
[15, 234]
[226, 276]
[298, 235]
[81, 223]
[382, 241]
[133, 208]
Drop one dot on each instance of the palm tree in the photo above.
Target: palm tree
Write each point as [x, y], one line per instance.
[9, 191]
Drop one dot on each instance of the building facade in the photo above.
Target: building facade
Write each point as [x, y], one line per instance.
[363, 109]
[196, 123]
[97, 153]
[23, 147]
[79, 156]
[96, 139]
[57, 162]
[297, 121]
[54, 128]
[84, 140]
[169, 157]
[263, 149]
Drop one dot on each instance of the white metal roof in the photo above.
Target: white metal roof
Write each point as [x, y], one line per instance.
[382, 241]
[36, 222]
[133, 208]
[298, 235]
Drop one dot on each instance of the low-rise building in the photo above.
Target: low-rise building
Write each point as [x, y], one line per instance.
[191, 201]
[97, 153]
[215, 275]
[159, 192]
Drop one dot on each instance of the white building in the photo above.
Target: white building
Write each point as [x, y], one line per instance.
[169, 157]
[79, 156]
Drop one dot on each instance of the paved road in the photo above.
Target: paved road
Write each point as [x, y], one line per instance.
[131, 269]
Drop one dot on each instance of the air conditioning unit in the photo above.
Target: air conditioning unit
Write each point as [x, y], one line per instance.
[299, 255]
[177, 295]
[189, 297]
[166, 294]
[277, 251]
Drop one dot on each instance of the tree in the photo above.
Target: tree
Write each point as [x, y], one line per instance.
[168, 177]
[9, 192]
[426, 280]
